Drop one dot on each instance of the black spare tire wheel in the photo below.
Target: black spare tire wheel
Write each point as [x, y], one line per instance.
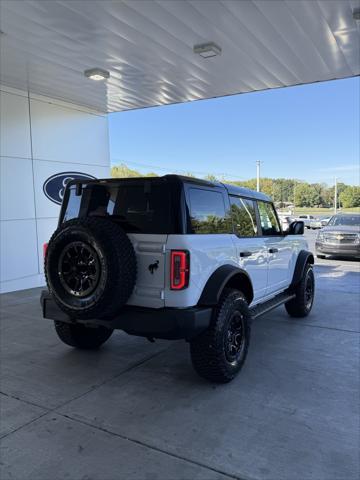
[90, 267]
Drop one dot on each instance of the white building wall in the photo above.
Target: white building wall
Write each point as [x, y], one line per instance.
[39, 137]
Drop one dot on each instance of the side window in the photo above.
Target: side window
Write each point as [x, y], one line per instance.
[243, 216]
[207, 212]
[268, 220]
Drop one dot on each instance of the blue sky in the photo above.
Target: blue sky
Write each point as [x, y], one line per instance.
[308, 132]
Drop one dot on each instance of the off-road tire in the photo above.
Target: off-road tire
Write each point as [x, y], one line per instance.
[116, 264]
[82, 337]
[208, 350]
[301, 305]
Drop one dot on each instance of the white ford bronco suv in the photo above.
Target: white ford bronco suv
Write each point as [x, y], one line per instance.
[173, 258]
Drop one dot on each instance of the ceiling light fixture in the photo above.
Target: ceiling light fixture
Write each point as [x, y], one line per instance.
[97, 74]
[207, 50]
[356, 14]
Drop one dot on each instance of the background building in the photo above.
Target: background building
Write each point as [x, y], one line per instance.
[40, 137]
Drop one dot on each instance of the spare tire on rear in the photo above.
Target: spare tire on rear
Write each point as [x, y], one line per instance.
[90, 267]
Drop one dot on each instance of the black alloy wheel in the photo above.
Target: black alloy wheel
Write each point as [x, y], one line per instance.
[79, 269]
[235, 337]
[309, 289]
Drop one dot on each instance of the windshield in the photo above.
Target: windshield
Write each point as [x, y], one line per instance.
[349, 220]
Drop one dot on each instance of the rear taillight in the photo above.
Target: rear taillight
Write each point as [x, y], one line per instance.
[180, 269]
[45, 246]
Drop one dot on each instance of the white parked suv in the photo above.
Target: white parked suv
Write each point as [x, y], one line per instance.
[173, 257]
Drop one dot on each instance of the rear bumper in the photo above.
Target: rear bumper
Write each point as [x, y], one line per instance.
[165, 323]
[340, 250]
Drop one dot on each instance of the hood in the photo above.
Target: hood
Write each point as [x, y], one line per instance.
[341, 228]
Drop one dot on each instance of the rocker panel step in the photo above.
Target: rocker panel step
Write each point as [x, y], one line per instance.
[263, 308]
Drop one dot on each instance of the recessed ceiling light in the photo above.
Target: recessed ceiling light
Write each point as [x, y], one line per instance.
[356, 14]
[97, 74]
[207, 50]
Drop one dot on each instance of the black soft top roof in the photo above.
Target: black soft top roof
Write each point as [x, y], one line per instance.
[231, 189]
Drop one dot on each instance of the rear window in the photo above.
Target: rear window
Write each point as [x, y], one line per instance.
[139, 208]
[207, 212]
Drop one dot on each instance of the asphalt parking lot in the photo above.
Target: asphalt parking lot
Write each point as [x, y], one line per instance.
[137, 410]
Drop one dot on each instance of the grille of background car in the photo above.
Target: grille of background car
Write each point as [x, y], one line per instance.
[340, 238]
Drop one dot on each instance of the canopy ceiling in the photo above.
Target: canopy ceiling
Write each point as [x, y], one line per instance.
[147, 46]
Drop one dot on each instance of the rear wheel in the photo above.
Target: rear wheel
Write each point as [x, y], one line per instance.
[80, 336]
[219, 353]
[301, 305]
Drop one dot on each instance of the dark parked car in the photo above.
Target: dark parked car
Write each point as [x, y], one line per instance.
[340, 237]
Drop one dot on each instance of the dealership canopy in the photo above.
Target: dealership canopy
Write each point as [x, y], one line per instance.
[164, 52]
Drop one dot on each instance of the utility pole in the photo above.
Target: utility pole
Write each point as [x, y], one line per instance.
[258, 175]
[335, 196]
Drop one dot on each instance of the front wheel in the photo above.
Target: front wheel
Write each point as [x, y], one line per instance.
[219, 353]
[301, 305]
[82, 337]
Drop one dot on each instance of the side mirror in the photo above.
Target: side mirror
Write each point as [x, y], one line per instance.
[296, 228]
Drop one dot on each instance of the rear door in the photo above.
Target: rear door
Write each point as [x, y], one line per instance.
[144, 209]
[148, 211]
[151, 267]
[250, 247]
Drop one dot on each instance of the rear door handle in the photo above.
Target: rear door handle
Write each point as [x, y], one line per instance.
[245, 254]
[273, 250]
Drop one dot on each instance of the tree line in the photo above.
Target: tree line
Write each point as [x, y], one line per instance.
[283, 191]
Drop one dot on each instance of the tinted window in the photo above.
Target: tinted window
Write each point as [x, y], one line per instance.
[243, 216]
[141, 208]
[268, 220]
[207, 212]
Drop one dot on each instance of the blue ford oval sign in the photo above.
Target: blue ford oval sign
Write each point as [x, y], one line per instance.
[54, 186]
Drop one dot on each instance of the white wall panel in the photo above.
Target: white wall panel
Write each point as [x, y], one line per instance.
[18, 249]
[16, 189]
[44, 169]
[66, 138]
[66, 135]
[23, 283]
[14, 126]
[45, 228]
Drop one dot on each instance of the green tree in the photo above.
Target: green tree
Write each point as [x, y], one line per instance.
[305, 195]
[350, 197]
[210, 177]
[122, 171]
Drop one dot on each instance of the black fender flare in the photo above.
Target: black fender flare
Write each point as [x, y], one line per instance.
[303, 259]
[226, 274]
